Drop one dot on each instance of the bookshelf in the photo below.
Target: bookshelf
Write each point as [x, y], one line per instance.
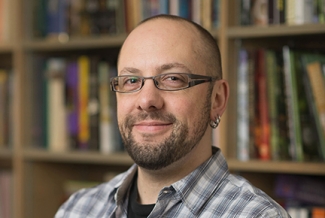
[39, 175]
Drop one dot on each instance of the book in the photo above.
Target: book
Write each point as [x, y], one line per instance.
[260, 12]
[290, 12]
[185, 9]
[39, 105]
[245, 12]
[318, 212]
[273, 93]
[74, 18]
[83, 93]
[4, 122]
[105, 18]
[294, 128]
[57, 132]
[251, 102]
[309, 138]
[282, 117]
[106, 113]
[6, 193]
[242, 107]
[72, 103]
[315, 90]
[206, 14]
[56, 20]
[215, 13]
[308, 190]
[93, 104]
[196, 11]
[262, 123]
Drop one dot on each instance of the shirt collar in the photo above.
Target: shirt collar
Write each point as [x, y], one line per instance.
[122, 187]
[196, 188]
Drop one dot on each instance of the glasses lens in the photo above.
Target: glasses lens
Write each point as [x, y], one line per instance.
[126, 83]
[172, 81]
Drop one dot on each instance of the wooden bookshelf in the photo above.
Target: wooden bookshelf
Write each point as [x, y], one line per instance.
[244, 32]
[39, 175]
[278, 167]
[118, 158]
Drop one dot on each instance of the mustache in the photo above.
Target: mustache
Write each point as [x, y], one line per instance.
[130, 120]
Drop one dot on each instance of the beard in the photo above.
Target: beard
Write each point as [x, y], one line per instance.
[158, 155]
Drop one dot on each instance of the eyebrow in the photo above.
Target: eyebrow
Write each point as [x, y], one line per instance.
[172, 65]
[161, 68]
[130, 70]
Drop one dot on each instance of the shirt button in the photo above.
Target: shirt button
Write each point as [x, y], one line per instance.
[166, 191]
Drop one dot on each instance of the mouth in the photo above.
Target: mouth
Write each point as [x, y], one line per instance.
[152, 126]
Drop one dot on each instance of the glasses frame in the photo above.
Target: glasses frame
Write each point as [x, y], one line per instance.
[194, 79]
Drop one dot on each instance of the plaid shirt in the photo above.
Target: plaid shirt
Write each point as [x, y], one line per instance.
[209, 191]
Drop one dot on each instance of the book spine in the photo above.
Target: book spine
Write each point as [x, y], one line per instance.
[263, 125]
[56, 105]
[317, 83]
[93, 105]
[72, 103]
[272, 94]
[83, 90]
[163, 6]
[292, 105]
[245, 12]
[105, 119]
[3, 107]
[206, 14]
[260, 12]
[242, 107]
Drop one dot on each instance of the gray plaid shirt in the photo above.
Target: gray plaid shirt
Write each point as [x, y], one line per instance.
[209, 191]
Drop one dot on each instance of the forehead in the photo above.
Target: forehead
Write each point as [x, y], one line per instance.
[159, 42]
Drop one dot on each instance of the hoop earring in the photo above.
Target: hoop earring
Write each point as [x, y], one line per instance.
[215, 124]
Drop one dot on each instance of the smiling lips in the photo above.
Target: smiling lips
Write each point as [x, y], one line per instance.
[152, 126]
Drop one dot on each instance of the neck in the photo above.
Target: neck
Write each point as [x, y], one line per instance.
[150, 182]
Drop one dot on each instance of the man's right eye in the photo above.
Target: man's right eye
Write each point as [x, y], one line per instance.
[131, 80]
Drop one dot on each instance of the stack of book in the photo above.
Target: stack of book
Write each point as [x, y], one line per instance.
[61, 19]
[73, 107]
[281, 105]
[273, 12]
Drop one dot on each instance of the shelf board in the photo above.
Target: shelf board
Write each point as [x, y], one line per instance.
[119, 158]
[278, 167]
[74, 43]
[5, 153]
[275, 30]
[6, 47]
[215, 33]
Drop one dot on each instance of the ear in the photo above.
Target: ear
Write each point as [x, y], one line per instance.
[219, 98]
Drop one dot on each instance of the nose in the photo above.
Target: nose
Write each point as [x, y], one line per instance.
[149, 97]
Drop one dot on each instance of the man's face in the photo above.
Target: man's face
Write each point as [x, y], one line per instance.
[161, 127]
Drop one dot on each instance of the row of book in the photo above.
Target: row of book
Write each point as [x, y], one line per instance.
[290, 12]
[6, 194]
[73, 18]
[306, 212]
[5, 24]
[6, 92]
[302, 196]
[281, 105]
[73, 107]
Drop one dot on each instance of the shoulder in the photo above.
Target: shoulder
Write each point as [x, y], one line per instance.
[237, 196]
[93, 200]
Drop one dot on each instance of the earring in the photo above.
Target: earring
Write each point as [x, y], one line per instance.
[214, 124]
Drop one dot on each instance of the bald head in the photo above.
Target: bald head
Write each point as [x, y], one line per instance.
[172, 34]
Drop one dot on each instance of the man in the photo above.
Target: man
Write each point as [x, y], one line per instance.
[169, 89]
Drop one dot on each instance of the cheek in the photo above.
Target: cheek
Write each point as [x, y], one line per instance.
[123, 107]
[186, 110]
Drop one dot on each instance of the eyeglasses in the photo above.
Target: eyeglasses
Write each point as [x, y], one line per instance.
[166, 82]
